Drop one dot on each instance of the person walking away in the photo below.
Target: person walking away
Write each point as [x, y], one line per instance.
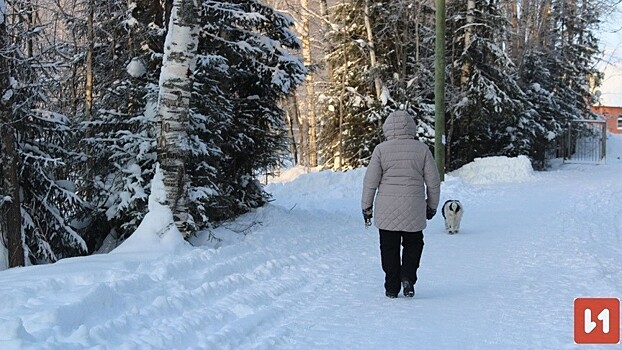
[403, 181]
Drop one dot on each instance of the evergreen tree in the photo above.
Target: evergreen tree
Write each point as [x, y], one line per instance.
[486, 113]
[558, 72]
[246, 68]
[119, 138]
[405, 33]
[43, 136]
[350, 124]
[353, 114]
[573, 49]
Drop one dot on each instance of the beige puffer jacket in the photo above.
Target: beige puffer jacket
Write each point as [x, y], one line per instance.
[404, 173]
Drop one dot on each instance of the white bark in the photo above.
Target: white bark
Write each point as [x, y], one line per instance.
[372, 49]
[310, 98]
[89, 65]
[178, 64]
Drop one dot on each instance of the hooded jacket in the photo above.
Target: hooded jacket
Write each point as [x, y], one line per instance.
[402, 176]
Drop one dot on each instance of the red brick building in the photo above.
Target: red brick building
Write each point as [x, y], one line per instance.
[613, 116]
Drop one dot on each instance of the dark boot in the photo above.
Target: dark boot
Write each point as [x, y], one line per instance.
[409, 289]
[391, 295]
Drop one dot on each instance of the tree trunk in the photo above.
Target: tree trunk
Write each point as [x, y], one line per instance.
[514, 27]
[339, 158]
[372, 49]
[178, 64]
[418, 22]
[544, 24]
[10, 212]
[310, 98]
[88, 98]
[302, 132]
[468, 34]
[328, 48]
[522, 24]
[292, 135]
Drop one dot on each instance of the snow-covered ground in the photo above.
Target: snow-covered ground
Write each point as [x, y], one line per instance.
[304, 273]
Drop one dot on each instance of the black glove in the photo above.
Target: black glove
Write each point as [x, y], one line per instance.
[367, 215]
[429, 214]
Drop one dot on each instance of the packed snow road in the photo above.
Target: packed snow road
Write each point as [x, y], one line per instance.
[304, 273]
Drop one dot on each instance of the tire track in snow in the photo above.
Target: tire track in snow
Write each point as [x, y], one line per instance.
[238, 295]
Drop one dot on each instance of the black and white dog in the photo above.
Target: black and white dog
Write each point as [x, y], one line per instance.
[452, 212]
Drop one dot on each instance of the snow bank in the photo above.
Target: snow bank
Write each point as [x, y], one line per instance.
[335, 191]
[293, 173]
[492, 170]
[302, 181]
[157, 231]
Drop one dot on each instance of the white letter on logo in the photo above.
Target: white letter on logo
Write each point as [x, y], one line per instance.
[604, 317]
[589, 325]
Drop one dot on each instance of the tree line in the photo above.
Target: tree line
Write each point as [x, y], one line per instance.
[517, 71]
[94, 93]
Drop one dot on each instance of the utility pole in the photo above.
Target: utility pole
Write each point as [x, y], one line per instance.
[439, 89]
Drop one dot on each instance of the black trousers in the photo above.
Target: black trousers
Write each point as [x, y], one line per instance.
[397, 269]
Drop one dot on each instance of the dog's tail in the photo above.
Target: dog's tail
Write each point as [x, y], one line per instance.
[443, 208]
[454, 205]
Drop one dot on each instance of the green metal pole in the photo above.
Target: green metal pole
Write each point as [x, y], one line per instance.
[439, 89]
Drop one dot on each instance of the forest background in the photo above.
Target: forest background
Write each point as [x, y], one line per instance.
[221, 93]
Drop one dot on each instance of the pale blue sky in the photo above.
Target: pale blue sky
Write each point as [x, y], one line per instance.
[611, 43]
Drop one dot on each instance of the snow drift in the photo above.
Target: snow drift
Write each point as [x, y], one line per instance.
[157, 231]
[492, 170]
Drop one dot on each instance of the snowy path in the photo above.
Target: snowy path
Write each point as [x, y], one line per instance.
[307, 276]
[507, 280]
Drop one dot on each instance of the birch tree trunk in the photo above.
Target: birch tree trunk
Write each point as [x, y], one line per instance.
[522, 25]
[178, 64]
[372, 48]
[303, 143]
[10, 213]
[89, 65]
[306, 54]
[328, 47]
[339, 157]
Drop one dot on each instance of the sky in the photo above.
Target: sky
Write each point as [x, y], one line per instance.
[302, 272]
[611, 64]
